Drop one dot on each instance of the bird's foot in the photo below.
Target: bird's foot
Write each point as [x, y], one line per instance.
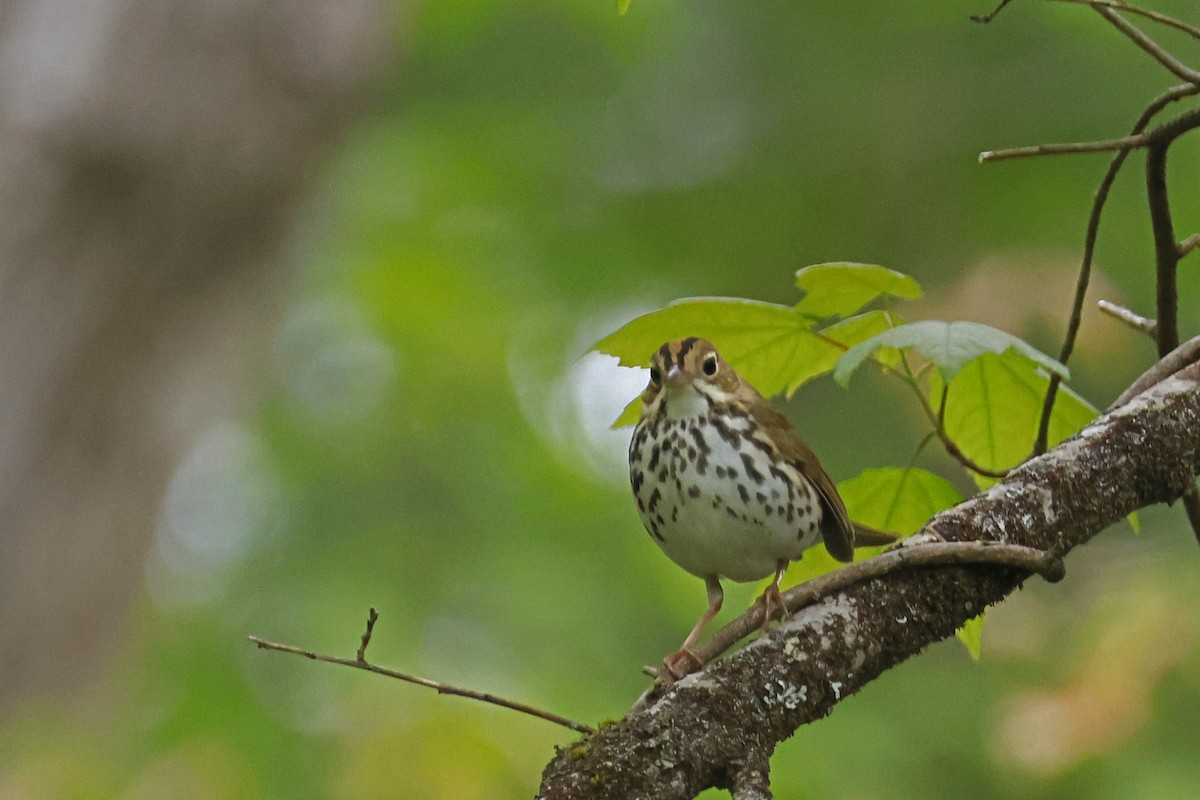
[772, 600]
[682, 662]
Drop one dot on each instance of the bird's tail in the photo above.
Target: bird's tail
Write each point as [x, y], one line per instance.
[870, 537]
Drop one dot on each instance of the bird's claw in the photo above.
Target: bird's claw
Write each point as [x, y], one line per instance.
[772, 597]
[673, 662]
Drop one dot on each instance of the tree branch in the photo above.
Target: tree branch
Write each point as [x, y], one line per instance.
[707, 725]
[903, 556]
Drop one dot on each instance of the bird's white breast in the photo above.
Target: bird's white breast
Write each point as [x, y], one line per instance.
[711, 494]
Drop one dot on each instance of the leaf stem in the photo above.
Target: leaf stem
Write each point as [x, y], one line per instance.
[929, 437]
[937, 419]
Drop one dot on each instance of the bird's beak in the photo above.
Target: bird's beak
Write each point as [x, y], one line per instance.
[675, 376]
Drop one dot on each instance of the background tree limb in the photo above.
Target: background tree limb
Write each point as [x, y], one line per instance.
[152, 155]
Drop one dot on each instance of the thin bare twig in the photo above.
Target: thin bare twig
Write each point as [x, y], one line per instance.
[1156, 51]
[1167, 131]
[991, 15]
[1166, 251]
[1130, 318]
[1065, 148]
[1157, 16]
[1173, 94]
[974, 553]
[360, 662]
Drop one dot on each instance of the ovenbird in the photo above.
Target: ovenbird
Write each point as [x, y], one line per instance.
[724, 484]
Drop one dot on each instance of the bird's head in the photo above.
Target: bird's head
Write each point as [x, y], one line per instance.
[690, 375]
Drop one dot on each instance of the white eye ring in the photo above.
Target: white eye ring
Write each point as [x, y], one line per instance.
[710, 364]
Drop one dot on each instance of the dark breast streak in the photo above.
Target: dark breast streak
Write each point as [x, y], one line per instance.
[668, 457]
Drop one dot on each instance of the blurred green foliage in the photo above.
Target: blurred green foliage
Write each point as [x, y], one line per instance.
[534, 175]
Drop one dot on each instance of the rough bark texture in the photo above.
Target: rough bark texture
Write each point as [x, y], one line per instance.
[705, 728]
[151, 156]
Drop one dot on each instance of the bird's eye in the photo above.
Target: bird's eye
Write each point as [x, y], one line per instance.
[655, 375]
[710, 364]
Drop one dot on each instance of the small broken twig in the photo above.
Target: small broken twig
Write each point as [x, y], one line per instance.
[1189, 244]
[1130, 318]
[372, 616]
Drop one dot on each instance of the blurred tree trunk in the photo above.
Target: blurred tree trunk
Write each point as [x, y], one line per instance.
[152, 153]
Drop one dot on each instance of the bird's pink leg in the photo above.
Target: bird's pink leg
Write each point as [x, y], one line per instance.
[676, 663]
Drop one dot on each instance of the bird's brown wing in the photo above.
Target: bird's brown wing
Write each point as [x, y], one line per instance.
[836, 528]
